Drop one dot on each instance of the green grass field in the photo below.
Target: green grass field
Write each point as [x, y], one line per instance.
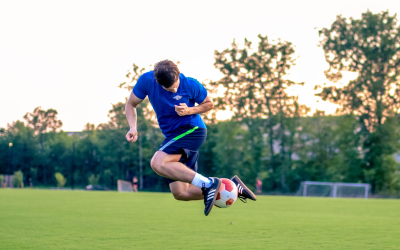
[49, 219]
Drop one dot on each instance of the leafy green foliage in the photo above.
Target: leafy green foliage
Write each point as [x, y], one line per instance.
[60, 179]
[94, 179]
[255, 82]
[369, 46]
[269, 136]
[43, 120]
[255, 85]
[319, 148]
[18, 179]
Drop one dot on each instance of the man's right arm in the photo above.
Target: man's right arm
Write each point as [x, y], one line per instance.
[131, 116]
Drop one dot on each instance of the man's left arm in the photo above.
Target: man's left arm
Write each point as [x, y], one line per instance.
[203, 107]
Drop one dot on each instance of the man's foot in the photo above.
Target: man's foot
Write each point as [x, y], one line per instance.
[243, 192]
[210, 194]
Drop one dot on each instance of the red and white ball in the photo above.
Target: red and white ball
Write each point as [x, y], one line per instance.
[227, 194]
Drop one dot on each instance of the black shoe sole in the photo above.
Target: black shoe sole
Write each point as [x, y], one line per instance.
[215, 197]
[253, 196]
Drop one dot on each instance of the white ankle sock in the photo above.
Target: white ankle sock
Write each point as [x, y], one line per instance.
[199, 180]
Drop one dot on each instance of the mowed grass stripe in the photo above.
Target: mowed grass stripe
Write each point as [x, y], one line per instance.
[49, 219]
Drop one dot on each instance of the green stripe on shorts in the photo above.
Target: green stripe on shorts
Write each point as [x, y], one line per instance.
[186, 133]
[178, 137]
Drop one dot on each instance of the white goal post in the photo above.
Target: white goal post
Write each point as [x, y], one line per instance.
[334, 189]
[124, 186]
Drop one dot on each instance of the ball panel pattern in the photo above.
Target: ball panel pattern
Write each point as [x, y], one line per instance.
[220, 203]
[222, 187]
[229, 185]
[227, 194]
[230, 202]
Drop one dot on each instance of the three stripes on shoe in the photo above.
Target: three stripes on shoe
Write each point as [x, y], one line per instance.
[211, 194]
[240, 188]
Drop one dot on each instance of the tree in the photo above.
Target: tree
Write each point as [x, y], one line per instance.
[117, 118]
[22, 152]
[60, 179]
[256, 84]
[59, 155]
[18, 179]
[369, 46]
[43, 121]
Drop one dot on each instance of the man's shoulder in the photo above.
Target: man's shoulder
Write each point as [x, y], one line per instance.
[145, 79]
[148, 75]
[191, 80]
[143, 85]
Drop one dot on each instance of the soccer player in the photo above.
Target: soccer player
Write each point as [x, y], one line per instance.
[173, 97]
[135, 184]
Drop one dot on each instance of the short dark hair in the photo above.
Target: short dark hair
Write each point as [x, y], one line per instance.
[166, 73]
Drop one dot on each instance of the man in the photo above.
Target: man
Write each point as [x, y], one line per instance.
[135, 184]
[258, 186]
[173, 97]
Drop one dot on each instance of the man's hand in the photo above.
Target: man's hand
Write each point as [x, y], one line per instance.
[182, 110]
[132, 135]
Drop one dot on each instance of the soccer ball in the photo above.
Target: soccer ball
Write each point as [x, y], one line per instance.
[227, 194]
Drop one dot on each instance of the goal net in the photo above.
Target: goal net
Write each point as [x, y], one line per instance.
[334, 189]
[124, 186]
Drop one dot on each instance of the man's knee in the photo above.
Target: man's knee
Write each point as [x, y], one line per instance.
[157, 164]
[159, 160]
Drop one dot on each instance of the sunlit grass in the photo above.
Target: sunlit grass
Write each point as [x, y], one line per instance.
[49, 219]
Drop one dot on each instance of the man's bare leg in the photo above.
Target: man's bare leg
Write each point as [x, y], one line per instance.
[169, 166]
[185, 192]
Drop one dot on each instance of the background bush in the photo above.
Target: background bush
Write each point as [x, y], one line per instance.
[60, 179]
[94, 179]
[18, 178]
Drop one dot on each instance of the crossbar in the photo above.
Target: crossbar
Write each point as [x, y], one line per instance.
[335, 185]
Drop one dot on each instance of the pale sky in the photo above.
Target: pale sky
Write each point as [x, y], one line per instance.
[72, 55]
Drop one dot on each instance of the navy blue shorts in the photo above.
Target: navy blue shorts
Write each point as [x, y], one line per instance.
[185, 140]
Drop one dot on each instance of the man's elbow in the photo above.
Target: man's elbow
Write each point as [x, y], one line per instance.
[211, 105]
[130, 105]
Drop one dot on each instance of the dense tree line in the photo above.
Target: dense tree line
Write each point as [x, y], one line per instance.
[323, 148]
[270, 135]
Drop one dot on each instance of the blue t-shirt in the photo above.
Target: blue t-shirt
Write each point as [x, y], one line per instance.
[190, 91]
